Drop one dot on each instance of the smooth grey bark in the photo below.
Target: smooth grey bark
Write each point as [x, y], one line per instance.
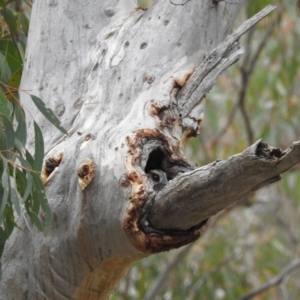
[114, 75]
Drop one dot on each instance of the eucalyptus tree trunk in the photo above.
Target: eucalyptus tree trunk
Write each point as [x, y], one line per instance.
[129, 86]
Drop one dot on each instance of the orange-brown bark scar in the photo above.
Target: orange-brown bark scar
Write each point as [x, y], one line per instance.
[181, 78]
[147, 242]
[49, 166]
[86, 172]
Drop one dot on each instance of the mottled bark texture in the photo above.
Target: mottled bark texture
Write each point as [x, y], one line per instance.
[129, 86]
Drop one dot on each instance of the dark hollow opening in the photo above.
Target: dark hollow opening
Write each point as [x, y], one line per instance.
[155, 160]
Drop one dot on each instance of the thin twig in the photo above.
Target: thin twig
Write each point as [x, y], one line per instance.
[249, 62]
[249, 130]
[245, 79]
[295, 264]
[161, 280]
[292, 236]
[205, 150]
[29, 3]
[232, 113]
[235, 254]
[262, 44]
[247, 71]
[223, 130]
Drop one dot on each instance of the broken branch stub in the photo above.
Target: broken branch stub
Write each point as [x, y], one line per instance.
[200, 83]
[196, 195]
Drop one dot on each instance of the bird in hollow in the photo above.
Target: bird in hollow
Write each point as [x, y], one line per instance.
[158, 179]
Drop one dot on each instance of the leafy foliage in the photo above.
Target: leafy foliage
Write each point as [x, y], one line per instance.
[21, 188]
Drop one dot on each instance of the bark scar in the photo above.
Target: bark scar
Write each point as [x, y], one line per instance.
[86, 173]
[266, 151]
[142, 235]
[50, 166]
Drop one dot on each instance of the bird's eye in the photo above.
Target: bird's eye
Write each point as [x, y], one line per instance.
[155, 178]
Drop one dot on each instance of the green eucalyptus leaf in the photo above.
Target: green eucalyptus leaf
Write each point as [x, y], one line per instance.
[11, 55]
[6, 108]
[5, 71]
[19, 147]
[40, 193]
[21, 181]
[15, 201]
[2, 216]
[2, 235]
[24, 23]
[29, 158]
[6, 186]
[25, 164]
[25, 183]
[3, 146]
[3, 239]
[15, 78]
[21, 131]
[19, 111]
[28, 188]
[35, 220]
[46, 209]
[10, 20]
[39, 148]
[22, 47]
[37, 182]
[9, 220]
[35, 201]
[10, 137]
[48, 113]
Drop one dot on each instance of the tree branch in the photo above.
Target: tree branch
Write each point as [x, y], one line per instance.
[218, 60]
[194, 196]
[275, 281]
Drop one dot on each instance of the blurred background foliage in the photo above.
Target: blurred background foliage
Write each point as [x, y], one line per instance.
[252, 242]
[14, 24]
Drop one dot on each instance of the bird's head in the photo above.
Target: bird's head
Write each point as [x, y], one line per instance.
[158, 179]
